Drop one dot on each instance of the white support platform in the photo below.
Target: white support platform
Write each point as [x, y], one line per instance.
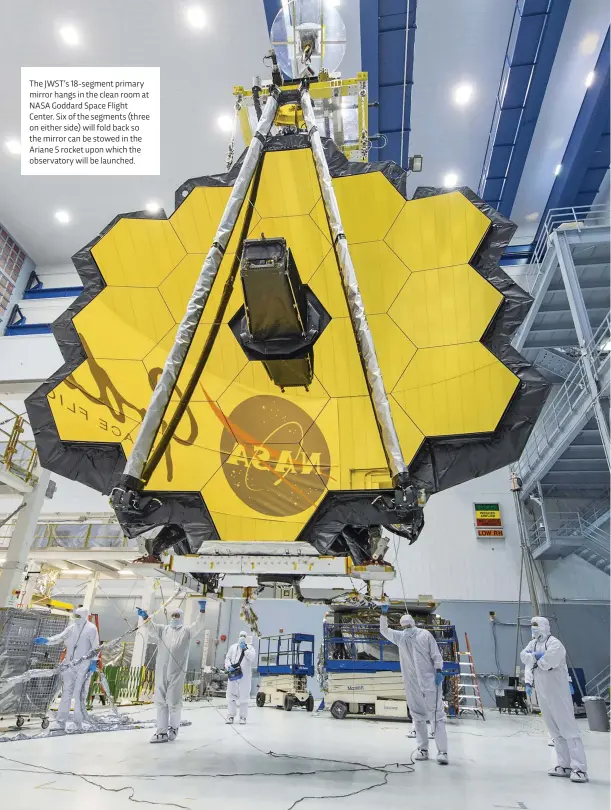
[257, 564]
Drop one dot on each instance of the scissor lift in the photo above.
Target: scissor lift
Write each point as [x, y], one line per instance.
[285, 663]
[362, 669]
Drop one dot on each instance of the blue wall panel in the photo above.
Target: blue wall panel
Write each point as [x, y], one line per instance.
[588, 146]
[383, 57]
[535, 35]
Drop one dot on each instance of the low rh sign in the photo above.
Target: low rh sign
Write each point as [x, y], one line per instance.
[488, 522]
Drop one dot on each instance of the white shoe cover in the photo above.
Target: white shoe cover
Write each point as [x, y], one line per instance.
[560, 771]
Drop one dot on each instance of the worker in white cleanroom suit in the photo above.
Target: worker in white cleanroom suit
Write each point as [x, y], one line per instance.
[174, 640]
[544, 660]
[239, 659]
[80, 637]
[421, 667]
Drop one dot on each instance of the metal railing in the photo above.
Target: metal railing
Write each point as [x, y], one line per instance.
[594, 511]
[574, 525]
[17, 456]
[578, 217]
[74, 535]
[127, 684]
[572, 395]
[130, 685]
[565, 526]
[599, 684]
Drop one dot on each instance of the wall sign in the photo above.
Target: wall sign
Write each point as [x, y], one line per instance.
[488, 522]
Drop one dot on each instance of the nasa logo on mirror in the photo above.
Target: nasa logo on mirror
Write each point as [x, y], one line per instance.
[275, 457]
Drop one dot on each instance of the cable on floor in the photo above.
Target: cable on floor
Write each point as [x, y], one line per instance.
[343, 795]
[358, 767]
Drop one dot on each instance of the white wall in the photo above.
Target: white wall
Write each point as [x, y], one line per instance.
[451, 564]
[63, 275]
[70, 498]
[523, 275]
[574, 579]
[44, 310]
[448, 561]
[20, 284]
[27, 360]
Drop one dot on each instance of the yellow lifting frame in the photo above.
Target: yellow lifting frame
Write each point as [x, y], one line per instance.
[319, 90]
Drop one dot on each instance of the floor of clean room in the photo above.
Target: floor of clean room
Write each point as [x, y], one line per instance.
[499, 763]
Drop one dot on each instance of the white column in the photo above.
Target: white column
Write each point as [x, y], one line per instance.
[90, 592]
[22, 539]
[210, 635]
[142, 635]
[29, 586]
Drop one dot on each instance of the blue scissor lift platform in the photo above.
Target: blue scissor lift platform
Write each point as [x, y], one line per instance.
[362, 669]
[285, 663]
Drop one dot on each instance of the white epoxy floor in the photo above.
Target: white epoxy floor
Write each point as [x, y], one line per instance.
[501, 763]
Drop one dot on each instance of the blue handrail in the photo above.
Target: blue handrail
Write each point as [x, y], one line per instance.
[289, 654]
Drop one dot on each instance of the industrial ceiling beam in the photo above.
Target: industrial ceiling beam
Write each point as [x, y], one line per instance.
[387, 54]
[588, 144]
[533, 42]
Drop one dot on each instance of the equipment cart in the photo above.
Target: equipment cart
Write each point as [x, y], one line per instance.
[361, 667]
[285, 662]
[18, 654]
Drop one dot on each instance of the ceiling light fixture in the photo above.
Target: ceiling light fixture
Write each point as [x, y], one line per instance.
[450, 180]
[63, 217]
[590, 79]
[126, 574]
[70, 35]
[12, 146]
[463, 93]
[225, 123]
[153, 207]
[557, 170]
[532, 217]
[195, 16]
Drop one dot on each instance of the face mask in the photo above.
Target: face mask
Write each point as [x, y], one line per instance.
[175, 622]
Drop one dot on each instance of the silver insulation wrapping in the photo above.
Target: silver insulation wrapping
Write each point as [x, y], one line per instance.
[356, 307]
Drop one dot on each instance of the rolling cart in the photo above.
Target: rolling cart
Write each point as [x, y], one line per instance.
[285, 663]
[18, 654]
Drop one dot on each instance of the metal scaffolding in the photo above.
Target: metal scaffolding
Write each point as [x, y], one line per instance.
[567, 334]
